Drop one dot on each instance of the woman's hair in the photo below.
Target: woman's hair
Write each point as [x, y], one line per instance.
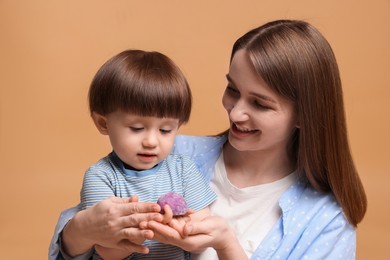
[297, 62]
[143, 83]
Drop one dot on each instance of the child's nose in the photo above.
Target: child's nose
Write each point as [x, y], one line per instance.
[150, 140]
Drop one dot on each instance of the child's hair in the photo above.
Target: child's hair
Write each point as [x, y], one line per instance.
[143, 83]
[298, 63]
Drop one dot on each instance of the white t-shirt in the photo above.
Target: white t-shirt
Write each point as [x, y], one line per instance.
[250, 211]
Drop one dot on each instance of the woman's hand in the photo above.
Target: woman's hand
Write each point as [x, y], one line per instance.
[176, 222]
[112, 223]
[210, 232]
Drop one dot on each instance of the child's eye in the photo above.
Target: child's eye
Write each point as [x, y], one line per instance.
[136, 129]
[165, 131]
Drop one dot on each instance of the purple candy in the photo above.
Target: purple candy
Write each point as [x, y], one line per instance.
[175, 201]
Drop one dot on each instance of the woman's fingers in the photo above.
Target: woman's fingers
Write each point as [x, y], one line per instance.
[139, 207]
[128, 212]
[136, 235]
[178, 224]
[163, 231]
[127, 206]
[206, 226]
[168, 235]
[135, 219]
[118, 200]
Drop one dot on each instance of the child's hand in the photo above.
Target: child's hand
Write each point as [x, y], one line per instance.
[176, 222]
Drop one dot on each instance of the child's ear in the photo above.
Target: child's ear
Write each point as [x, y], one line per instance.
[100, 123]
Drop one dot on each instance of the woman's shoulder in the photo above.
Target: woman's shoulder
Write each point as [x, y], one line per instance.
[305, 207]
[203, 150]
[198, 143]
[312, 225]
[303, 197]
[198, 146]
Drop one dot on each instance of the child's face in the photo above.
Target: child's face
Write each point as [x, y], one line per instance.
[141, 142]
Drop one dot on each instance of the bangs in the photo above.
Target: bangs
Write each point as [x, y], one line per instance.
[143, 83]
[158, 93]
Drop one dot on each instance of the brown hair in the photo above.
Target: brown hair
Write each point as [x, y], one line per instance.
[297, 62]
[141, 82]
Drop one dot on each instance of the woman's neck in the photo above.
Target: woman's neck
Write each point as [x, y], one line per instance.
[250, 168]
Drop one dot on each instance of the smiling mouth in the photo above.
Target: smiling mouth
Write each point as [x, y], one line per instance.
[243, 130]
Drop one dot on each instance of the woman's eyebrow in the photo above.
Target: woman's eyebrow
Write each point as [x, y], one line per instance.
[264, 97]
[230, 79]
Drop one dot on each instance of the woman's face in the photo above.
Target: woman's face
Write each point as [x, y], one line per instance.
[260, 119]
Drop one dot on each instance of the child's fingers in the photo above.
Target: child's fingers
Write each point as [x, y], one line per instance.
[187, 229]
[168, 214]
[190, 211]
[134, 198]
[178, 224]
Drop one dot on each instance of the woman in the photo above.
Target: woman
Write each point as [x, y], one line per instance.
[286, 182]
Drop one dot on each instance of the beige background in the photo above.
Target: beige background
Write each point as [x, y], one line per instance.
[49, 51]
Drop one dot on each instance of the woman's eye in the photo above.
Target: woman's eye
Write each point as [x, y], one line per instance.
[259, 105]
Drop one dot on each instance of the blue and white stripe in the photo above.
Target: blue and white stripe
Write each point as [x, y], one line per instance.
[108, 177]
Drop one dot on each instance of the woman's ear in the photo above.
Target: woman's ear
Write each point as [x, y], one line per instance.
[297, 121]
[100, 123]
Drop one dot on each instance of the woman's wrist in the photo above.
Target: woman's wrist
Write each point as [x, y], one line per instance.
[231, 248]
[75, 238]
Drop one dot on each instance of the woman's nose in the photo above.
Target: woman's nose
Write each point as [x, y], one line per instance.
[239, 112]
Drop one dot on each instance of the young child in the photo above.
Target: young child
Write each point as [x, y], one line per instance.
[140, 99]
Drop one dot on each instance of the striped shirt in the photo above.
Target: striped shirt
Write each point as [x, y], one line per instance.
[108, 177]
